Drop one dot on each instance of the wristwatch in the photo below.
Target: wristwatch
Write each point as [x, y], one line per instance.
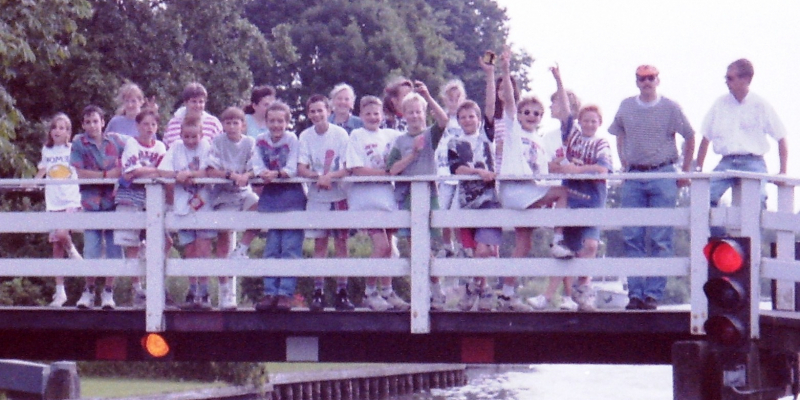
[228, 175]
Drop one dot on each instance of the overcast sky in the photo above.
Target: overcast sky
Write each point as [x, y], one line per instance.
[599, 44]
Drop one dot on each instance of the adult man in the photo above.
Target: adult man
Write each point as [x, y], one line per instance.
[645, 127]
[738, 124]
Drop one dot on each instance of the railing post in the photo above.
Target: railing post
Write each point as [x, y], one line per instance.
[155, 258]
[420, 257]
[700, 208]
[785, 290]
[751, 210]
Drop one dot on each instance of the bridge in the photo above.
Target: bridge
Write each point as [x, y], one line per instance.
[418, 335]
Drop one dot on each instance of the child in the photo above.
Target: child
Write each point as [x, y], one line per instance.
[185, 161]
[194, 98]
[131, 102]
[255, 113]
[471, 154]
[139, 160]
[524, 154]
[396, 90]
[413, 154]
[276, 157]
[96, 155]
[322, 151]
[60, 198]
[367, 151]
[343, 98]
[230, 159]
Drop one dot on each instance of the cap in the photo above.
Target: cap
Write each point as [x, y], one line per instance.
[646, 70]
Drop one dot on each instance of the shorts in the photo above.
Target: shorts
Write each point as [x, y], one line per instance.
[234, 200]
[52, 236]
[406, 205]
[487, 236]
[447, 196]
[189, 236]
[128, 237]
[574, 236]
[340, 205]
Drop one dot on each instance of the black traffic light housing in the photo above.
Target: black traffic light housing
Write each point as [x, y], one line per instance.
[728, 293]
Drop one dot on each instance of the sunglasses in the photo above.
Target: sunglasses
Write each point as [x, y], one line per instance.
[650, 78]
[535, 113]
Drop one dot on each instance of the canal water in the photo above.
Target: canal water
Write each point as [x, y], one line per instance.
[559, 382]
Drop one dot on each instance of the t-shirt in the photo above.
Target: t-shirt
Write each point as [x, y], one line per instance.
[424, 164]
[124, 125]
[193, 197]
[227, 155]
[648, 131]
[103, 156]
[279, 155]
[474, 151]
[583, 150]
[253, 130]
[452, 131]
[55, 160]
[135, 156]
[211, 127]
[349, 125]
[370, 149]
[742, 128]
[324, 153]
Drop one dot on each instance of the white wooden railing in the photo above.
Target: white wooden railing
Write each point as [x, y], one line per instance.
[744, 217]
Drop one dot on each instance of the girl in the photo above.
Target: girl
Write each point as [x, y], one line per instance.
[131, 102]
[343, 98]
[60, 198]
[255, 117]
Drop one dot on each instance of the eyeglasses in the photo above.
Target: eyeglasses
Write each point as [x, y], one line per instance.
[650, 78]
[535, 113]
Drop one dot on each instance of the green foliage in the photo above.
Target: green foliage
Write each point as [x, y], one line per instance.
[238, 373]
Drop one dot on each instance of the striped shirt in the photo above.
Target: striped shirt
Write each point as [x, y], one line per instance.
[648, 131]
[211, 128]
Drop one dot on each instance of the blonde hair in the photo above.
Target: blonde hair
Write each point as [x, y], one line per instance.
[52, 125]
[343, 86]
[127, 90]
[370, 100]
[591, 108]
[450, 85]
[412, 97]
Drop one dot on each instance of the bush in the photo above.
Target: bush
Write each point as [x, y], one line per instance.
[237, 373]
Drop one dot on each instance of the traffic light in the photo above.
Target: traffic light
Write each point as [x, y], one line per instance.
[728, 293]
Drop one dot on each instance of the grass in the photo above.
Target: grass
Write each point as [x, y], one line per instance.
[112, 387]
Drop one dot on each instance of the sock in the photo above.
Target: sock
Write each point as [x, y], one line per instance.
[137, 286]
[202, 290]
[508, 290]
[386, 291]
[90, 288]
[60, 289]
[370, 289]
[558, 237]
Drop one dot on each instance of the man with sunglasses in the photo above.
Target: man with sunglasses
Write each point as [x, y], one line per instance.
[738, 125]
[645, 127]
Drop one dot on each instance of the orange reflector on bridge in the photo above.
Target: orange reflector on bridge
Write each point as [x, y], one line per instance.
[155, 345]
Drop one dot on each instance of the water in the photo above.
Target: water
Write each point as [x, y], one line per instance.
[559, 382]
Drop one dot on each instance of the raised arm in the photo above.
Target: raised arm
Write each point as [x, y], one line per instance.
[510, 107]
[563, 110]
[439, 115]
[491, 90]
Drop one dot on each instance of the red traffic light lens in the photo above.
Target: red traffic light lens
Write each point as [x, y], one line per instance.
[724, 330]
[725, 255]
[724, 292]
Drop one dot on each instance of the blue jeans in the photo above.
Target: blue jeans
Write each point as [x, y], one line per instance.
[93, 244]
[282, 244]
[748, 163]
[651, 193]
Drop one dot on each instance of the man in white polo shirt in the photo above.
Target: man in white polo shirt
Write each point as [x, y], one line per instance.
[738, 125]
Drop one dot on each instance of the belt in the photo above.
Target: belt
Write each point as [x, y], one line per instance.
[648, 168]
[748, 155]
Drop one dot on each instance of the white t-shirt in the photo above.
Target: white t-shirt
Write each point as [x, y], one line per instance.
[370, 149]
[227, 155]
[55, 160]
[742, 128]
[524, 153]
[324, 153]
[452, 131]
[135, 156]
[188, 198]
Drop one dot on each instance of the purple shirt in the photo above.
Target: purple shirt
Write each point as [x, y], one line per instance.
[86, 154]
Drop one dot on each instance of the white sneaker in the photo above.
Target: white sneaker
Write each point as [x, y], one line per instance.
[138, 298]
[396, 302]
[486, 299]
[73, 253]
[585, 296]
[86, 301]
[376, 302]
[539, 302]
[567, 304]
[438, 300]
[468, 299]
[227, 301]
[239, 253]
[59, 298]
[107, 300]
[512, 303]
[557, 250]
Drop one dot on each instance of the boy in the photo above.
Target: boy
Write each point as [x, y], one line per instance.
[96, 155]
[185, 161]
[275, 157]
[322, 151]
[413, 154]
[367, 151]
[471, 154]
[139, 160]
[230, 159]
[194, 98]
